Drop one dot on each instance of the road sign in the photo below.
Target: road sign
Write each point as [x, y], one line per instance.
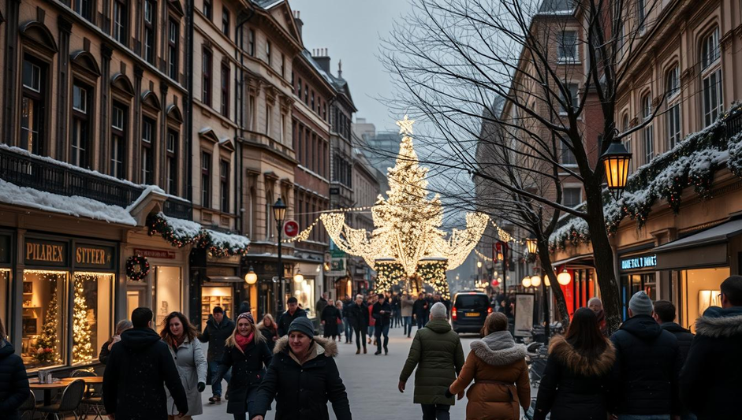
[291, 229]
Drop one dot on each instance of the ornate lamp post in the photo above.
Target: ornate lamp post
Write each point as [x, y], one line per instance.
[279, 214]
[616, 161]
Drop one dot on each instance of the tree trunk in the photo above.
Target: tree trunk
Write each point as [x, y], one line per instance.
[561, 302]
[603, 256]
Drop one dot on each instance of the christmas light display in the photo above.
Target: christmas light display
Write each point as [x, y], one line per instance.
[47, 343]
[82, 347]
[434, 273]
[408, 222]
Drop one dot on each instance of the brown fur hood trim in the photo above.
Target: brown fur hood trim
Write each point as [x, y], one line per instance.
[721, 327]
[577, 363]
[321, 345]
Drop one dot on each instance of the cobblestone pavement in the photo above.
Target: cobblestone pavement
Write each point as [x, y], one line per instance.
[371, 383]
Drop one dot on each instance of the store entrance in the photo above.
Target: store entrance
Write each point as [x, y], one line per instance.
[213, 295]
[633, 283]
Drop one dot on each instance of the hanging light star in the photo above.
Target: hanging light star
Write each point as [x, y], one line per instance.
[405, 126]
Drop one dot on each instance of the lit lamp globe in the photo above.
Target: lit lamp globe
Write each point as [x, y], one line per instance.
[564, 278]
[298, 278]
[547, 283]
[616, 161]
[527, 282]
[251, 278]
[536, 281]
[479, 264]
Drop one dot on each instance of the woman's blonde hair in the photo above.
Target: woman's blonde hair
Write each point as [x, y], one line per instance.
[269, 317]
[258, 337]
[496, 321]
[339, 304]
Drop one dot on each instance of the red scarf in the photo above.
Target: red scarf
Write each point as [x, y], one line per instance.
[243, 341]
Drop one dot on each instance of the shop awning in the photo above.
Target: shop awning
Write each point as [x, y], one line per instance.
[717, 234]
[707, 248]
[586, 259]
[225, 279]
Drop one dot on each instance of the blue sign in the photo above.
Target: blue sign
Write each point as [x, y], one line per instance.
[635, 263]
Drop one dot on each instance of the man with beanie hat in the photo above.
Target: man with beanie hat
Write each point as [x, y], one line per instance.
[302, 325]
[647, 365]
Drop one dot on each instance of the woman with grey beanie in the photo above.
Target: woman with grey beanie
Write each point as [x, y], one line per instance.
[303, 377]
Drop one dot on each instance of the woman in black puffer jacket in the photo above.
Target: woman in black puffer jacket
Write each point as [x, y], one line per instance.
[302, 377]
[13, 380]
[577, 380]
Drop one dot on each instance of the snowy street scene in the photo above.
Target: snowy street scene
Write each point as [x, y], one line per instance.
[336, 209]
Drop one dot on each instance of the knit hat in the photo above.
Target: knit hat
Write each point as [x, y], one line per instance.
[247, 316]
[641, 304]
[438, 311]
[302, 325]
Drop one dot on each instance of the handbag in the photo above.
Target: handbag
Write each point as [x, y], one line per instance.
[340, 321]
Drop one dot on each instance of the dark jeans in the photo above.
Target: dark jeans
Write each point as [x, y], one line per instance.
[420, 321]
[407, 325]
[360, 337]
[348, 331]
[216, 387]
[379, 331]
[436, 412]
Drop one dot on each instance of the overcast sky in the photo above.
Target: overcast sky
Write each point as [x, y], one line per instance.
[352, 30]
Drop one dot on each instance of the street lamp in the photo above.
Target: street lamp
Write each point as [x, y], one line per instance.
[251, 278]
[279, 213]
[564, 278]
[298, 277]
[536, 280]
[616, 161]
[526, 282]
[532, 245]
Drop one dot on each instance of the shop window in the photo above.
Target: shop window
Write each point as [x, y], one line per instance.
[304, 293]
[211, 297]
[44, 318]
[5, 300]
[700, 289]
[633, 283]
[92, 300]
[168, 292]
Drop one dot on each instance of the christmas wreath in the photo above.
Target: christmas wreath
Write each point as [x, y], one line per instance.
[137, 267]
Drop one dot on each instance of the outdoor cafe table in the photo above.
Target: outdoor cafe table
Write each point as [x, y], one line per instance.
[61, 384]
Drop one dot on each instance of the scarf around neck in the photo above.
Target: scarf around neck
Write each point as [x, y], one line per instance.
[243, 341]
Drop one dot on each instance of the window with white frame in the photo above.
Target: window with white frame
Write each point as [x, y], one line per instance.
[712, 97]
[648, 131]
[121, 21]
[172, 48]
[574, 98]
[567, 157]
[33, 105]
[150, 30]
[571, 196]
[80, 125]
[672, 116]
[147, 155]
[118, 140]
[567, 46]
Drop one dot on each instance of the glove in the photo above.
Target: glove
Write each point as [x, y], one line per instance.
[448, 393]
[201, 386]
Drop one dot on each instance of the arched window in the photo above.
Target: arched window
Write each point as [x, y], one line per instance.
[672, 116]
[648, 131]
[713, 101]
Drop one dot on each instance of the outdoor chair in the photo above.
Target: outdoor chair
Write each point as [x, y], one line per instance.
[69, 403]
[92, 401]
[28, 408]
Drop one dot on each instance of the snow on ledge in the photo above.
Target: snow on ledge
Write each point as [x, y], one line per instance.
[73, 206]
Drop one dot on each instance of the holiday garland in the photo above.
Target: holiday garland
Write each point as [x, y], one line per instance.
[692, 162]
[137, 267]
[183, 232]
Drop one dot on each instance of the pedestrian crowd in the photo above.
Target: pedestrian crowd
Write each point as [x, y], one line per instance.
[649, 369]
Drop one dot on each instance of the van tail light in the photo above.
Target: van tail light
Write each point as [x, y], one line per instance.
[489, 310]
[454, 314]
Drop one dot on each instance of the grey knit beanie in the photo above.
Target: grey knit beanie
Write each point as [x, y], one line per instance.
[641, 304]
[302, 325]
[438, 311]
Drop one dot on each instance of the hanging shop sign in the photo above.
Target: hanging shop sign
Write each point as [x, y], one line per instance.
[46, 253]
[638, 262]
[155, 253]
[94, 256]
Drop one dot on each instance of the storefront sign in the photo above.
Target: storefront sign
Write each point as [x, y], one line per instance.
[93, 256]
[155, 253]
[231, 259]
[638, 262]
[337, 267]
[48, 253]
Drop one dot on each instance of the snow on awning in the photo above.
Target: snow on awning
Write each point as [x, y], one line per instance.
[179, 232]
[69, 205]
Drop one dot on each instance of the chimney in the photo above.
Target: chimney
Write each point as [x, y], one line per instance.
[299, 23]
[322, 59]
[340, 69]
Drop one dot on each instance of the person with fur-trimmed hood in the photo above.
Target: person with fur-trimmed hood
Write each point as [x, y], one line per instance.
[498, 367]
[302, 378]
[710, 381]
[577, 381]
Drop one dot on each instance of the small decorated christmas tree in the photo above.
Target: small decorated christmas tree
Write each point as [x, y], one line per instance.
[47, 344]
[82, 349]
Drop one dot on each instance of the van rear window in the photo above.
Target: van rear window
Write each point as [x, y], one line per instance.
[472, 302]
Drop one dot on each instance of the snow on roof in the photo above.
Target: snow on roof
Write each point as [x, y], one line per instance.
[182, 227]
[228, 240]
[73, 206]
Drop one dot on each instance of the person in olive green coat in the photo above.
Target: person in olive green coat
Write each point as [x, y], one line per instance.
[437, 353]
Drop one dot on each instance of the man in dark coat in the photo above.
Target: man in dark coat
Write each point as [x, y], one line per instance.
[710, 382]
[290, 315]
[664, 314]
[382, 313]
[420, 310]
[13, 381]
[647, 364]
[358, 317]
[136, 371]
[218, 328]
